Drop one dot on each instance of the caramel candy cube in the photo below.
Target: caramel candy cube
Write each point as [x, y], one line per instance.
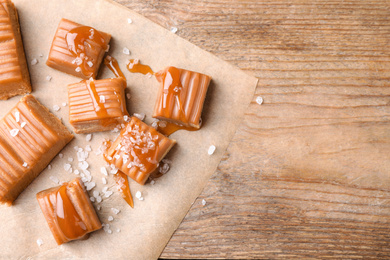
[77, 49]
[97, 105]
[68, 211]
[181, 96]
[138, 150]
[14, 75]
[30, 137]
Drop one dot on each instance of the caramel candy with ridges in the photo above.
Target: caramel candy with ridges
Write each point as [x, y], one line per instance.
[97, 105]
[14, 75]
[138, 150]
[68, 211]
[77, 49]
[30, 137]
[181, 96]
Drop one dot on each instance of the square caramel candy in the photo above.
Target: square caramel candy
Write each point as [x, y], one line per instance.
[97, 105]
[14, 75]
[181, 96]
[138, 150]
[68, 211]
[77, 49]
[30, 137]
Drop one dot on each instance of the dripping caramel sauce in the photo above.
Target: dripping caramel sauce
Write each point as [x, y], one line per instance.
[76, 40]
[122, 183]
[135, 66]
[168, 128]
[66, 215]
[113, 65]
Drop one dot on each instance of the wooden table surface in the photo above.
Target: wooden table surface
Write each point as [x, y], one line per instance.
[307, 174]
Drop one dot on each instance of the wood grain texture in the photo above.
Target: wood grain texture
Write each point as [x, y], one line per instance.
[307, 174]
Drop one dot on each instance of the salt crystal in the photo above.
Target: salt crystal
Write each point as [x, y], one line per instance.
[103, 170]
[48, 78]
[115, 130]
[25, 164]
[115, 211]
[17, 116]
[126, 118]
[152, 182]
[14, 132]
[99, 199]
[39, 242]
[138, 195]
[88, 148]
[140, 116]
[164, 168]
[64, 104]
[128, 96]
[90, 185]
[92, 199]
[70, 159]
[211, 149]
[41, 55]
[67, 166]
[56, 108]
[98, 207]
[83, 165]
[78, 69]
[88, 137]
[54, 179]
[49, 166]
[23, 124]
[108, 194]
[259, 100]
[173, 29]
[108, 48]
[76, 172]
[105, 188]
[162, 124]
[203, 202]
[90, 64]
[110, 218]
[102, 99]
[126, 51]
[104, 180]
[34, 62]
[118, 230]
[129, 20]
[155, 123]
[95, 193]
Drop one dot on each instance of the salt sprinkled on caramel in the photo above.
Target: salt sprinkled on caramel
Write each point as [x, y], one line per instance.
[102, 99]
[25, 164]
[17, 116]
[259, 100]
[90, 64]
[23, 124]
[211, 149]
[140, 116]
[14, 132]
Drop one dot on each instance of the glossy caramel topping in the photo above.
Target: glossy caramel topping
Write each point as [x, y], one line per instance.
[66, 215]
[135, 66]
[113, 65]
[122, 183]
[76, 41]
[168, 128]
[98, 104]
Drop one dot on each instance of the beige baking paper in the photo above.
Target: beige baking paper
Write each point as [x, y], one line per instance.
[142, 232]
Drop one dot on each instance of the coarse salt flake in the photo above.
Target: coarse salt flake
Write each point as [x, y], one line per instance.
[129, 20]
[67, 166]
[203, 202]
[60, 155]
[34, 62]
[102, 99]
[56, 108]
[25, 164]
[152, 182]
[173, 29]
[49, 166]
[70, 159]
[90, 185]
[126, 51]
[92, 199]
[259, 100]
[54, 179]
[110, 218]
[23, 124]
[48, 78]
[88, 137]
[88, 148]
[17, 116]
[90, 64]
[64, 104]
[104, 180]
[211, 149]
[138, 195]
[14, 132]
[78, 69]
[140, 116]
[115, 211]
[39, 242]
[103, 170]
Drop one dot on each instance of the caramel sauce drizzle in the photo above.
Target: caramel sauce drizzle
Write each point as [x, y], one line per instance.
[66, 215]
[113, 65]
[168, 128]
[135, 66]
[123, 187]
[76, 40]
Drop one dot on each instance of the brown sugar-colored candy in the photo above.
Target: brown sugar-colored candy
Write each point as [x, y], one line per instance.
[30, 137]
[181, 96]
[97, 105]
[138, 150]
[77, 49]
[68, 211]
[14, 75]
